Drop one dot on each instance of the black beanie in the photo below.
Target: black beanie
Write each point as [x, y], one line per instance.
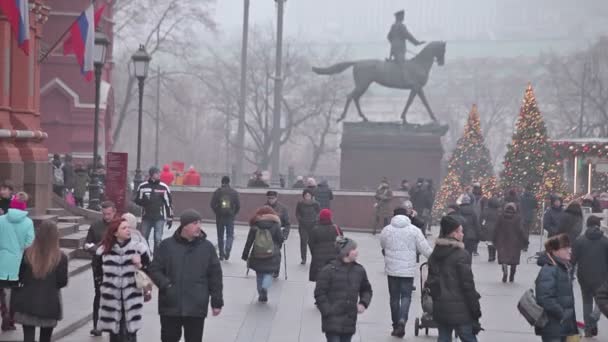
[189, 216]
[448, 225]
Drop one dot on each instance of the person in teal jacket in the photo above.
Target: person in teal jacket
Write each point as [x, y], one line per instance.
[16, 234]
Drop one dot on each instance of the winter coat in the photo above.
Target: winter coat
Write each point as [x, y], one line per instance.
[551, 220]
[384, 198]
[257, 183]
[41, 298]
[166, 176]
[187, 273]
[307, 213]
[118, 287]
[422, 199]
[96, 232]
[509, 238]
[324, 195]
[479, 205]
[571, 224]
[555, 295]
[450, 279]
[155, 199]
[192, 178]
[322, 241]
[283, 215]
[225, 192]
[273, 263]
[80, 183]
[340, 287]
[471, 227]
[528, 206]
[299, 185]
[601, 298]
[401, 241]
[16, 234]
[590, 253]
[69, 179]
[490, 218]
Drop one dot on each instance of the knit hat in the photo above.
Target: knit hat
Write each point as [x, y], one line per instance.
[325, 216]
[225, 180]
[594, 221]
[510, 208]
[448, 225]
[189, 216]
[271, 193]
[153, 170]
[344, 246]
[557, 242]
[408, 205]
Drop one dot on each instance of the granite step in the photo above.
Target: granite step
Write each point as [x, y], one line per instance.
[74, 240]
[38, 219]
[73, 219]
[67, 228]
[57, 211]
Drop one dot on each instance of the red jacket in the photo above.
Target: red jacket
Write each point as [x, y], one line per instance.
[166, 176]
[192, 178]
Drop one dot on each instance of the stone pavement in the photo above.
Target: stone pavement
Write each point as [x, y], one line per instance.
[291, 315]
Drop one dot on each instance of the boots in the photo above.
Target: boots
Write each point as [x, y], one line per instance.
[399, 330]
[512, 275]
[504, 273]
[491, 253]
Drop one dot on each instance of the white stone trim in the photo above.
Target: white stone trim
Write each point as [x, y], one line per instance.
[105, 90]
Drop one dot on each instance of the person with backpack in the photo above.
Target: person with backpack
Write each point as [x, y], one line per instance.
[225, 204]
[342, 291]
[58, 177]
[323, 243]
[272, 198]
[554, 291]
[307, 213]
[262, 248]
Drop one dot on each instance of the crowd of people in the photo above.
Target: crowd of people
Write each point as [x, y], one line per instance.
[187, 267]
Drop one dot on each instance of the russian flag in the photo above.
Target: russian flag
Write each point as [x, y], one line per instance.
[18, 14]
[81, 41]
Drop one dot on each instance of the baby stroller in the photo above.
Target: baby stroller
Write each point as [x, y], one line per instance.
[426, 321]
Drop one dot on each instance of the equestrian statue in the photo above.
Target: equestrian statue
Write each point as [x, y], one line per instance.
[396, 72]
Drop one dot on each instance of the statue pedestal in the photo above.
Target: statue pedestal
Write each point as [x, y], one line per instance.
[372, 150]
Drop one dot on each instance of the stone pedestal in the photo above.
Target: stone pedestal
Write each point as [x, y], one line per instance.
[372, 150]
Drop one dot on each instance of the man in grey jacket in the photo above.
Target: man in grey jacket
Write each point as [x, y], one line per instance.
[187, 272]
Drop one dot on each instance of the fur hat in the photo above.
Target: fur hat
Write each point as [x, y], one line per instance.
[448, 225]
[325, 216]
[594, 221]
[557, 242]
[344, 246]
[510, 208]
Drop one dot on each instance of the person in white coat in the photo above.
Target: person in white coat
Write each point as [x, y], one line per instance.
[400, 242]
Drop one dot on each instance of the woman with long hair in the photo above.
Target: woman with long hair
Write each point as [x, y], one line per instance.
[118, 259]
[43, 273]
[509, 240]
[263, 248]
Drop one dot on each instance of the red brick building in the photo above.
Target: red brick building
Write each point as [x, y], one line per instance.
[67, 99]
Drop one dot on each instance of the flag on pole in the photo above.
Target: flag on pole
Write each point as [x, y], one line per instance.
[18, 14]
[81, 41]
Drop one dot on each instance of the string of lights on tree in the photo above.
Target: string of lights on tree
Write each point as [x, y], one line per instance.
[470, 163]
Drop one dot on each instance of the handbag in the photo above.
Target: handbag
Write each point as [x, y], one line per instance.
[142, 281]
[532, 312]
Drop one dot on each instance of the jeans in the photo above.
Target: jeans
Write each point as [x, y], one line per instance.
[263, 280]
[553, 339]
[171, 328]
[96, 300]
[338, 337]
[224, 224]
[400, 293]
[146, 228]
[465, 333]
[305, 229]
[590, 322]
[29, 333]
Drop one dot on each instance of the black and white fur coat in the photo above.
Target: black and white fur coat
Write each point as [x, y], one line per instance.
[118, 289]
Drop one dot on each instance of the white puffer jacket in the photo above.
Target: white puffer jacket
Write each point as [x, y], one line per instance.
[400, 241]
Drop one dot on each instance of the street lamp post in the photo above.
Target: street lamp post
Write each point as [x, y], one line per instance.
[141, 60]
[99, 59]
[278, 96]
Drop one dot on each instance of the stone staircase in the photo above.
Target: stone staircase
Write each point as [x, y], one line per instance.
[72, 231]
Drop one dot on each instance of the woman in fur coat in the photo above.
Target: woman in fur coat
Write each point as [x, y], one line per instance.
[118, 259]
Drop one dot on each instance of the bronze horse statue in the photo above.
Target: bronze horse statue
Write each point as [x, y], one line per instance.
[413, 75]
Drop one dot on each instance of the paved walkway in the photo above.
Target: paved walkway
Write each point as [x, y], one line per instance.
[291, 315]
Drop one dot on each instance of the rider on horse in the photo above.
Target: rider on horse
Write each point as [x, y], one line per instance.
[398, 36]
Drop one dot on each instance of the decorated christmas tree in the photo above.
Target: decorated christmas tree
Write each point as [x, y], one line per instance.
[470, 163]
[529, 159]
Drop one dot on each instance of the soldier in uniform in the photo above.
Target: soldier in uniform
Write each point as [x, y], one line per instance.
[397, 36]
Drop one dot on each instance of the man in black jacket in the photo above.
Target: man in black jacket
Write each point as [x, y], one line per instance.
[226, 205]
[154, 197]
[552, 216]
[324, 195]
[95, 235]
[591, 255]
[307, 213]
[455, 300]
[187, 272]
[272, 200]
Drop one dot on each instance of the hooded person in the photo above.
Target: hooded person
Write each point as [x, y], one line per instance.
[192, 177]
[471, 226]
[571, 221]
[554, 292]
[509, 240]
[188, 274]
[167, 176]
[342, 291]
[450, 280]
[401, 242]
[590, 254]
[322, 243]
